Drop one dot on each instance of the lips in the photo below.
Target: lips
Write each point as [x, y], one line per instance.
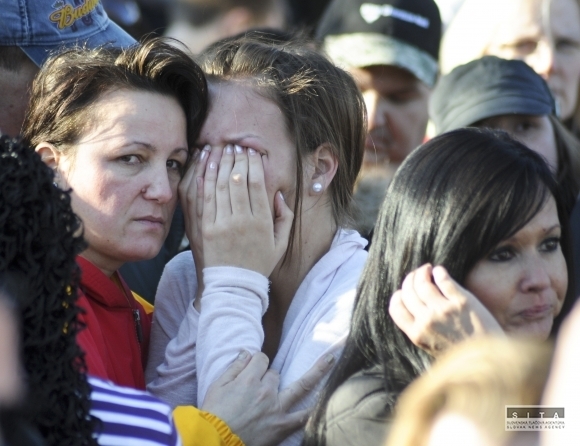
[378, 141]
[152, 221]
[537, 312]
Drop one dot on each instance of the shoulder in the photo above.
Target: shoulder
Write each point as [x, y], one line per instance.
[348, 253]
[181, 263]
[178, 283]
[358, 410]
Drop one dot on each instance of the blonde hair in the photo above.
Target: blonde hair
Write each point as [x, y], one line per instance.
[470, 32]
[475, 379]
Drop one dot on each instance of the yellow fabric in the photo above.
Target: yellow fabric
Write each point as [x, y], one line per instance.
[146, 305]
[199, 428]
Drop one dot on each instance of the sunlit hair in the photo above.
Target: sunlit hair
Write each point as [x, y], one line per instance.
[69, 84]
[451, 202]
[320, 104]
[475, 379]
[39, 240]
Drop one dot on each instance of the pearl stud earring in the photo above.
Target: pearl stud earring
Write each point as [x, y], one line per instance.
[317, 187]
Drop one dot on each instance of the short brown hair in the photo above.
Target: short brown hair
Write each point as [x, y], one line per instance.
[69, 83]
[321, 104]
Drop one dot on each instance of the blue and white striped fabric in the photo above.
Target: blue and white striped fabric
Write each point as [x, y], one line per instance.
[130, 417]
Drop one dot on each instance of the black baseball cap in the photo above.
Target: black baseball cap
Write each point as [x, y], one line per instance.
[488, 87]
[404, 33]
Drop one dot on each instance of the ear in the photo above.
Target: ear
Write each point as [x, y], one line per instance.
[324, 165]
[51, 157]
[48, 154]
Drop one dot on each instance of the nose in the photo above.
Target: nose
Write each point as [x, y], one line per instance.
[377, 109]
[160, 188]
[536, 277]
[542, 60]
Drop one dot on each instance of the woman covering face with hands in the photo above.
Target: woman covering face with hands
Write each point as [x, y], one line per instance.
[281, 148]
[485, 210]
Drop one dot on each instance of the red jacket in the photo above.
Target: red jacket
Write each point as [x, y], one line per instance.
[110, 341]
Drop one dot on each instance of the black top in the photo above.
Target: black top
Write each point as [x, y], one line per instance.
[358, 411]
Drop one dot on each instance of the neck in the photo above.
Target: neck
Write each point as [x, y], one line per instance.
[107, 266]
[312, 241]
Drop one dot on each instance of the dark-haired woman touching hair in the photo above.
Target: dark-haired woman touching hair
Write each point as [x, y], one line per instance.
[485, 209]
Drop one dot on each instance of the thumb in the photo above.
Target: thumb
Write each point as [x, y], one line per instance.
[282, 224]
[233, 370]
[299, 389]
[448, 286]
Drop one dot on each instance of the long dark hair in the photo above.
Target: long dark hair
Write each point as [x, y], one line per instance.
[450, 203]
[39, 240]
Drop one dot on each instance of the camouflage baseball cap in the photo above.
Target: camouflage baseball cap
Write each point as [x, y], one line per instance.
[404, 33]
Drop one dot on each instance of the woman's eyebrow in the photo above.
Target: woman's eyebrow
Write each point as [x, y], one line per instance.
[151, 147]
[240, 137]
[551, 228]
[544, 230]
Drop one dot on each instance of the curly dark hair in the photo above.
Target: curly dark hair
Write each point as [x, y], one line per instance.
[40, 237]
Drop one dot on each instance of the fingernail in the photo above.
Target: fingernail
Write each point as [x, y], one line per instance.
[438, 272]
[251, 151]
[238, 148]
[281, 196]
[243, 354]
[229, 149]
[204, 154]
[212, 165]
[329, 359]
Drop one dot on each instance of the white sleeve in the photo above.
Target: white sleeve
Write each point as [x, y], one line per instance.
[171, 371]
[233, 303]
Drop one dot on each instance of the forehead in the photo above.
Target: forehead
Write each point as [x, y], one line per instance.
[131, 109]
[121, 116]
[544, 220]
[239, 107]
[535, 18]
[519, 17]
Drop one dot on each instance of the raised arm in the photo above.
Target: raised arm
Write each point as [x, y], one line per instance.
[241, 242]
[171, 374]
